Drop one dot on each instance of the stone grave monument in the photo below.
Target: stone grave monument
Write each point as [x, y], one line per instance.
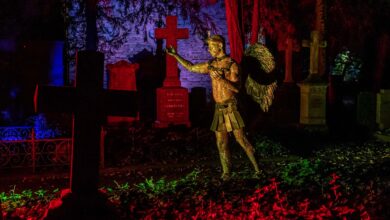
[172, 99]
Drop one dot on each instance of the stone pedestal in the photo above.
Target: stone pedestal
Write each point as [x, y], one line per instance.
[172, 107]
[383, 109]
[313, 103]
[122, 76]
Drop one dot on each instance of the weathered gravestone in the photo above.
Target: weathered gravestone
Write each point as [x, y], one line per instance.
[90, 104]
[172, 99]
[383, 109]
[313, 104]
[122, 76]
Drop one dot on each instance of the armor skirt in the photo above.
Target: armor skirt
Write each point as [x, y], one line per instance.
[226, 117]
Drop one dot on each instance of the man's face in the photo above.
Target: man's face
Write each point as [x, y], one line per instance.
[215, 48]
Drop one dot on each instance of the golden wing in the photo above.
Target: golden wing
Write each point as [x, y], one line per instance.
[261, 61]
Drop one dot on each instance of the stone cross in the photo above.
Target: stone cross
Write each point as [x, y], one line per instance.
[315, 44]
[288, 48]
[90, 104]
[171, 33]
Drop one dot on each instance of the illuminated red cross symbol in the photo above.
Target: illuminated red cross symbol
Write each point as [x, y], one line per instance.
[171, 33]
[289, 46]
[90, 104]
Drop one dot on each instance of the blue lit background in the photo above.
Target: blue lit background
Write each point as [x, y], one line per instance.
[10, 111]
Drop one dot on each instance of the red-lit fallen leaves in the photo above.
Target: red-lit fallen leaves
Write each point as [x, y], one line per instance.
[350, 185]
[217, 201]
[222, 200]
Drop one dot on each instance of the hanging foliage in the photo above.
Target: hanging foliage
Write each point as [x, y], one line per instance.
[279, 19]
[114, 17]
[352, 23]
[118, 21]
[347, 65]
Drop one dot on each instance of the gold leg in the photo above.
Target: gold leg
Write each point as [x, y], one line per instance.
[248, 148]
[224, 152]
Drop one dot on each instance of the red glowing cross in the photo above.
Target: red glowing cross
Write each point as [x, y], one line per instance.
[171, 33]
[289, 46]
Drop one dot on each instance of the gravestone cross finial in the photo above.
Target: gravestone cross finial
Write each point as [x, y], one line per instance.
[171, 33]
[315, 44]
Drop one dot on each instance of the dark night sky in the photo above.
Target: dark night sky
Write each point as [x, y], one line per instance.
[31, 20]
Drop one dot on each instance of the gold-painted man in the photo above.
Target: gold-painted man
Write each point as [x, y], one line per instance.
[225, 81]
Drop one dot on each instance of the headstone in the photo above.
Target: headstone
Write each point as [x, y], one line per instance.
[366, 109]
[383, 109]
[90, 105]
[172, 99]
[122, 76]
[313, 103]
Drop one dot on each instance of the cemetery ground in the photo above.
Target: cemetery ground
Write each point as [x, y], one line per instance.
[174, 173]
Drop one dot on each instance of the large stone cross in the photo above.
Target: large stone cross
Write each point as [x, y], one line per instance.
[315, 44]
[90, 104]
[171, 33]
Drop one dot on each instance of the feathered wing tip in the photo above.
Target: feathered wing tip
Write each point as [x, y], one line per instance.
[263, 55]
[262, 94]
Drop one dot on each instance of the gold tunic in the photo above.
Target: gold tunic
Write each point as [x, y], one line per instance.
[226, 117]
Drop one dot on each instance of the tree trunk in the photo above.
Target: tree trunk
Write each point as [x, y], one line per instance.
[91, 13]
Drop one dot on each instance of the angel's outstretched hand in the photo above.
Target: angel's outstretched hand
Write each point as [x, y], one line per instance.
[171, 51]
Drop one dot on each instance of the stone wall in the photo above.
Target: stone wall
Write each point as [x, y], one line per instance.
[198, 51]
[193, 48]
